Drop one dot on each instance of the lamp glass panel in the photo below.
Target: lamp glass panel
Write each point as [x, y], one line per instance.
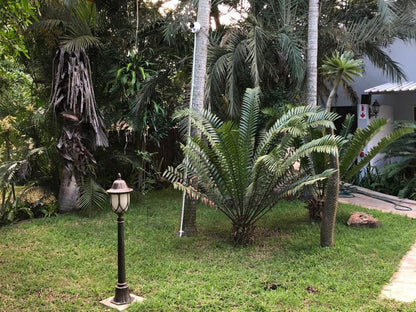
[124, 201]
[114, 200]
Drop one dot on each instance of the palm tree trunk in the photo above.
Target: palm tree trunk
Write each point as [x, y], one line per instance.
[329, 212]
[333, 93]
[312, 55]
[68, 191]
[197, 99]
[189, 217]
[200, 62]
[312, 73]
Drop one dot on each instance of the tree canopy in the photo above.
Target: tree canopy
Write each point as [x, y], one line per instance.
[140, 63]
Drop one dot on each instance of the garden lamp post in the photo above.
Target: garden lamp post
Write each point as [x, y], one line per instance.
[120, 201]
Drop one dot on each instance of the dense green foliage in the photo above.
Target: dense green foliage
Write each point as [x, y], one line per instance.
[70, 263]
[15, 17]
[359, 139]
[398, 176]
[141, 69]
[268, 48]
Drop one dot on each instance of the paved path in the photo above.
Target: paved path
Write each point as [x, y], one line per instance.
[402, 286]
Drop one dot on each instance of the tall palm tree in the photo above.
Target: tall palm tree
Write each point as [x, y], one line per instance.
[244, 172]
[366, 28]
[340, 69]
[72, 97]
[312, 66]
[337, 68]
[312, 53]
[263, 51]
[188, 222]
[272, 44]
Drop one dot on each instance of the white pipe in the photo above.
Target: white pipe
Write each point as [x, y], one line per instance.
[185, 179]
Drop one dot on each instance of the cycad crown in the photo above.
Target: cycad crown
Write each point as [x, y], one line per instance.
[243, 171]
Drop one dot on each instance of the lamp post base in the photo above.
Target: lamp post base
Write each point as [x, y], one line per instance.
[109, 302]
[122, 294]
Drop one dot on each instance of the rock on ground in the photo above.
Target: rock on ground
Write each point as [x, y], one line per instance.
[363, 219]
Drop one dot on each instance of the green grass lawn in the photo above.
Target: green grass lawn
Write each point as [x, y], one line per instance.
[69, 263]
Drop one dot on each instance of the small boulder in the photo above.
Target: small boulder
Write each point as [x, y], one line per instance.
[363, 219]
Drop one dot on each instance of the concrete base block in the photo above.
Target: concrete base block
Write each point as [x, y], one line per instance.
[120, 307]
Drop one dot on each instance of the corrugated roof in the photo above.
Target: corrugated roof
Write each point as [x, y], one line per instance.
[393, 87]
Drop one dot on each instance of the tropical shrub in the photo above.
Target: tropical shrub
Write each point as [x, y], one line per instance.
[144, 124]
[353, 144]
[351, 167]
[350, 151]
[398, 177]
[22, 202]
[243, 171]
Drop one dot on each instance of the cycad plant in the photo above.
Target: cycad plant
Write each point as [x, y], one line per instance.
[242, 171]
[355, 143]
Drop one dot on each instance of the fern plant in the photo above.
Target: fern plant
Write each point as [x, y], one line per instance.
[242, 171]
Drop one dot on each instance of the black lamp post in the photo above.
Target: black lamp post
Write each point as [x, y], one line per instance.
[120, 201]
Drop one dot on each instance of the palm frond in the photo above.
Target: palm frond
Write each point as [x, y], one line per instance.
[290, 46]
[347, 126]
[235, 68]
[205, 122]
[80, 42]
[298, 185]
[218, 60]
[14, 171]
[388, 11]
[382, 60]
[93, 197]
[295, 122]
[49, 24]
[257, 41]
[249, 118]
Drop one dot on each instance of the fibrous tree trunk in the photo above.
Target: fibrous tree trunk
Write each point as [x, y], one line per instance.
[68, 190]
[83, 128]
